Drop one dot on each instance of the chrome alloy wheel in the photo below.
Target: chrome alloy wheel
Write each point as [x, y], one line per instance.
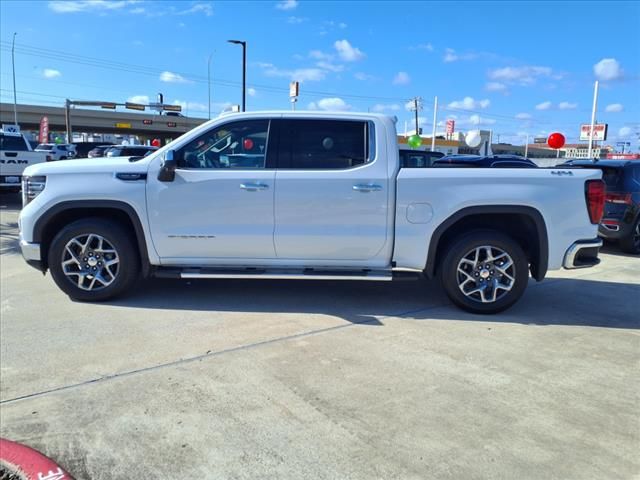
[90, 262]
[485, 274]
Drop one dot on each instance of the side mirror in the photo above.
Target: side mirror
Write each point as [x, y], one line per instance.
[167, 171]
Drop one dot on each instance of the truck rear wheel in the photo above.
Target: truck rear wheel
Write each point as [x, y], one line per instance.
[484, 272]
[93, 259]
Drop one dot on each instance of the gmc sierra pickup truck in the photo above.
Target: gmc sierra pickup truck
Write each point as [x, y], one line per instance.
[16, 155]
[304, 195]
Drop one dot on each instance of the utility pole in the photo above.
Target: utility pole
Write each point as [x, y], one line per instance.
[67, 117]
[417, 106]
[526, 147]
[244, 71]
[435, 119]
[593, 117]
[13, 67]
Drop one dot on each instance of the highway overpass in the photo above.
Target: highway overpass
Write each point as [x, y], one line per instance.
[145, 124]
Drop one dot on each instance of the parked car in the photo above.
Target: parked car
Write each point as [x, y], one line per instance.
[129, 150]
[15, 156]
[83, 148]
[621, 220]
[481, 161]
[98, 151]
[61, 151]
[173, 114]
[326, 200]
[418, 158]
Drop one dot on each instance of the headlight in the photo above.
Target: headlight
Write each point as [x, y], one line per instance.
[32, 187]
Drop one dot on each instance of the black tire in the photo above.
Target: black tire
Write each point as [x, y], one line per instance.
[631, 244]
[124, 274]
[466, 245]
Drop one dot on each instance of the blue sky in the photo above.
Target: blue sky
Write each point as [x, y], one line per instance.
[515, 67]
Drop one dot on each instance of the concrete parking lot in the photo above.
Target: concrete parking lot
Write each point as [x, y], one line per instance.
[323, 380]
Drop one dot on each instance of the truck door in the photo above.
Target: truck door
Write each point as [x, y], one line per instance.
[332, 187]
[219, 208]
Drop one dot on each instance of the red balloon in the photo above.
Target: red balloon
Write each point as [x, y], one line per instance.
[248, 144]
[556, 140]
[155, 142]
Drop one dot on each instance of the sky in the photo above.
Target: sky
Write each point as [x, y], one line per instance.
[518, 68]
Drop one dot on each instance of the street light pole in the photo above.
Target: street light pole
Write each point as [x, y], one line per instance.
[244, 71]
[13, 67]
[209, 82]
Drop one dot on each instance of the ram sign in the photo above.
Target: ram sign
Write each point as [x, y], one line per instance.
[599, 132]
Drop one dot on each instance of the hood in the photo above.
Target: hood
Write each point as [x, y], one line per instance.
[88, 165]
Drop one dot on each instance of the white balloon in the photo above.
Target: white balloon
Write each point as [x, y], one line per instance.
[473, 138]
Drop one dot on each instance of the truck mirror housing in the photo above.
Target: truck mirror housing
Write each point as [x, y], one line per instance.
[167, 171]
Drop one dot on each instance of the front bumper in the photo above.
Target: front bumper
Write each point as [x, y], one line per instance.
[582, 254]
[31, 254]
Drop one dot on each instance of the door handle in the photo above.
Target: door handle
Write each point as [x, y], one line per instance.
[367, 187]
[253, 187]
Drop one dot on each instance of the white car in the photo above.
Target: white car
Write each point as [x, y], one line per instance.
[305, 195]
[58, 151]
[15, 156]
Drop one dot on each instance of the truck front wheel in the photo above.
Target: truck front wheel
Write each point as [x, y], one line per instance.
[93, 259]
[484, 272]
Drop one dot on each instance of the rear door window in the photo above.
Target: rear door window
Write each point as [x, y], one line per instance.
[12, 143]
[323, 144]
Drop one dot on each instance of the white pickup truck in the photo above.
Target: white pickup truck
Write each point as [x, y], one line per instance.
[16, 155]
[302, 195]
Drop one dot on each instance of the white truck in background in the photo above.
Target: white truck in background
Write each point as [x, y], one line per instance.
[16, 154]
[305, 196]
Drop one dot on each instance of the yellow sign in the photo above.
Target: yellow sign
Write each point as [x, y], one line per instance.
[123, 125]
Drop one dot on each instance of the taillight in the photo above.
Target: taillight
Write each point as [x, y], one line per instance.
[594, 193]
[618, 198]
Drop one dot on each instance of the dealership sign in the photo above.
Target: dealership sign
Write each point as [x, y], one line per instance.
[43, 136]
[599, 132]
[451, 127]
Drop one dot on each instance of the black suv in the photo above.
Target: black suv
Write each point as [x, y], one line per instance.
[621, 220]
[482, 161]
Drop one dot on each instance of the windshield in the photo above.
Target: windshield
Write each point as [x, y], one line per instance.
[45, 146]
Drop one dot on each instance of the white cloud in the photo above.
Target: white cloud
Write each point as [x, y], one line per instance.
[330, 66]
[287, 4]
[614, 107]
[495, 87]
[520, 75]
[450, 56]
[251, 92]
[608, 69]
[474, 120]
[51, 73]
[523, 116]
[363, 76]
[296, 20]
[342, 25]
[423, 46]
[204, 8]
[379, 107]
[170, 77]
[625, 132]
[333, 104]
[401, 78]
[544, 106]
[181, 24]
[137, 11]
[320, 55]
[567, 106]
[76, 6]
[193, 106]
[299, 74]
[143, 99]
[468, 103]
[347, 52]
